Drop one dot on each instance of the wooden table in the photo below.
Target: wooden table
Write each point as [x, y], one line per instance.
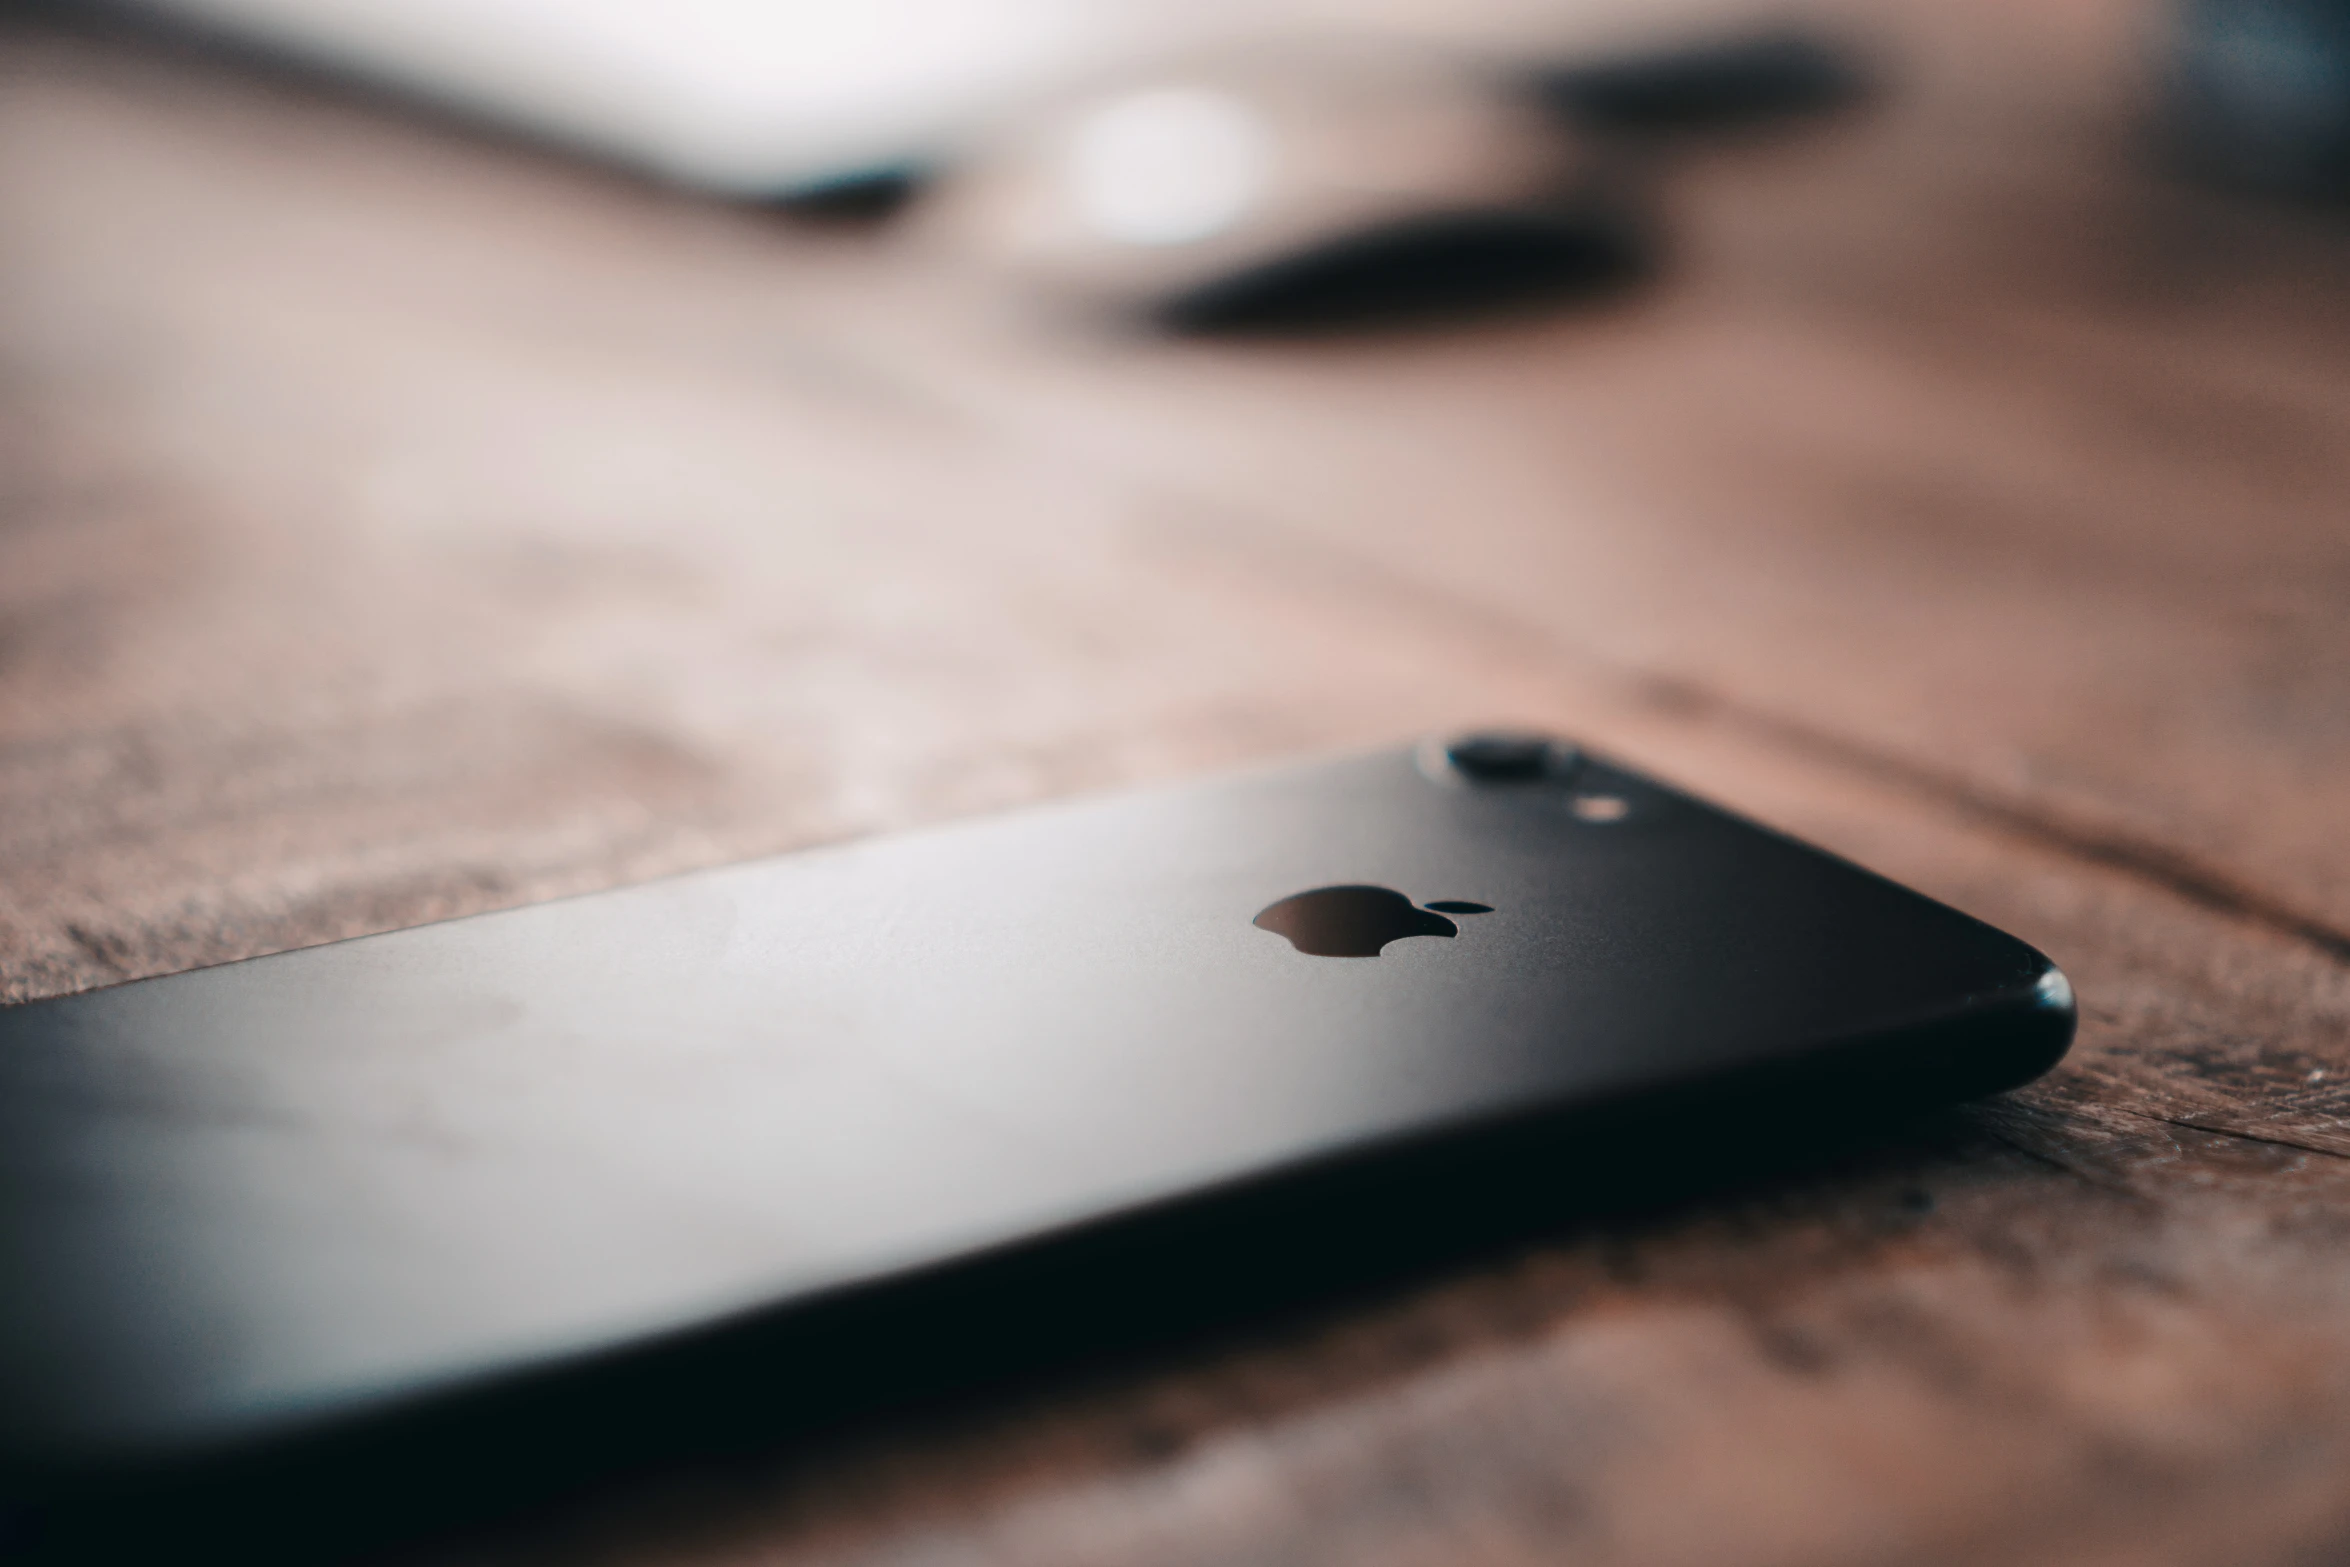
[395, 524]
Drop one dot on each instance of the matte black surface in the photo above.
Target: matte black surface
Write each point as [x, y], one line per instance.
[249, 1202]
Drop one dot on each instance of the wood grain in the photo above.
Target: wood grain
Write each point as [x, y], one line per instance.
[394, 524]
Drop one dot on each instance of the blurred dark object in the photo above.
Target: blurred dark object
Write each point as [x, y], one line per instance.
[1717, 85]
[860, 196]
[2258, 93]
[1338, 184]
[1441, 267]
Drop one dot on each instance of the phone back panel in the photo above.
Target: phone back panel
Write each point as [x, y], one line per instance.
[245, 1200]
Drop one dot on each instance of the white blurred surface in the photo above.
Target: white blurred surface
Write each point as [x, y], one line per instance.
[740, 95]
[764, 96]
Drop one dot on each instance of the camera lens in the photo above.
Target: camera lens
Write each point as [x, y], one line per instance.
[1507, 756]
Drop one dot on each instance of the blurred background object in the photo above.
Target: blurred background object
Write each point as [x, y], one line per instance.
[1308, 185]
[1729, 81]
[749, 97]
[793, 98]
[1209, 167]
[2258, 93]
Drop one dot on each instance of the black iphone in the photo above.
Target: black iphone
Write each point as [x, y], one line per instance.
[258, 1207]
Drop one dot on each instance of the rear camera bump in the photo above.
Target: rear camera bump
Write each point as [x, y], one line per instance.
[1507, 756]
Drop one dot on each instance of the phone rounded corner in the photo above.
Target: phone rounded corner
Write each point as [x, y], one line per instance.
[2038, 1029]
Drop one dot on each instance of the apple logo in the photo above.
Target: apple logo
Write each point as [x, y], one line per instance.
[1358, 922]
